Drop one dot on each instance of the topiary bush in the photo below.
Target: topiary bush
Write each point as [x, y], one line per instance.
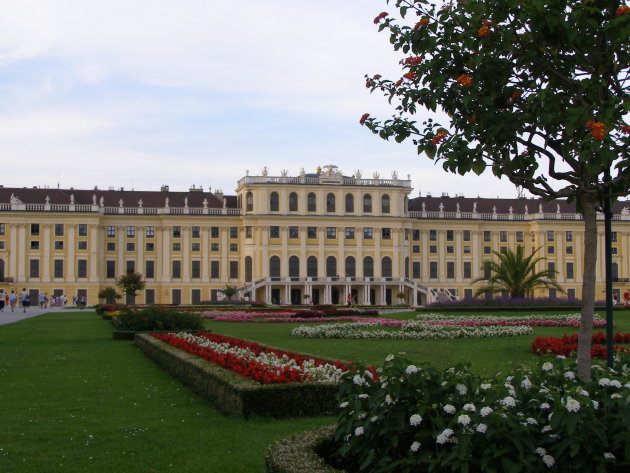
[420, 419]
[156, 318]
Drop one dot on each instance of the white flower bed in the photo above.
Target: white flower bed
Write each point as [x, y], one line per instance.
[495, 318]
[412, 331]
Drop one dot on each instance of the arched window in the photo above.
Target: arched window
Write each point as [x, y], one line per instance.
[367, 203]
[349, 203]
[351, 267]
[294, 267]
[274, 267]
[311, 202]
[330, 202]
[248, 269]
[407, 267]
[311, 267]
[331, 266]
[386, 267]
[293, 202]
[368, 267]
[385, 204]
[249, 202]
[274, 202]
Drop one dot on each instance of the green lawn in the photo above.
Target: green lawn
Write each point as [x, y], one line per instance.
[74, 400]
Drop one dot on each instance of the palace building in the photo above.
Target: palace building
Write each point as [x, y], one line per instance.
[312, 238]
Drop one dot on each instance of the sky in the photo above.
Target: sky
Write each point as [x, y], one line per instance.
[139, 94]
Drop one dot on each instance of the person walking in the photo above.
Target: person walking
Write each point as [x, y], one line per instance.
[12, 300]
[2, 300]
[42, 299]
[26, 301]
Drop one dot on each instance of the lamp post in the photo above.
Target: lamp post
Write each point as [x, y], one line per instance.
[608, 262]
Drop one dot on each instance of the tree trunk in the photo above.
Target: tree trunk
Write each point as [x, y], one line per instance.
[588, 289]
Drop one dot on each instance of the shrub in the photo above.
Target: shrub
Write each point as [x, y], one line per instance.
[157, 318]
[102, 309]
[418, 418]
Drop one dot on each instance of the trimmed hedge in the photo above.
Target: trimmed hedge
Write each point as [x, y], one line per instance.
[299, 453]
[236, 395]
[157, 319]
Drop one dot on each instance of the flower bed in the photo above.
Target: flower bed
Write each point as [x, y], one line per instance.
[253, 361]
[535, 320]
[567, 345]
[418, 418]
[291, 317]
[412, 331]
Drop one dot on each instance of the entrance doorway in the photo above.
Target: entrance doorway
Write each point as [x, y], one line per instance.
[334, 295]
[275, 296]
[315, 296]
[296, 297]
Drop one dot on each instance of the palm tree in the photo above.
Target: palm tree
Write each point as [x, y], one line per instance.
[228, 291]
[516, 274]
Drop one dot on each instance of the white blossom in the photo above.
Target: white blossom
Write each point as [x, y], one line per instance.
[485, 386]
[415, 420]
[548, 460]
[358, 380]
[449, 409]
[609, 456]
[569, 375]
[388, 399]
[547, 366]
[461, 389]
[444, 436]
[415, 447]
[485, 411]
[544, 406]
[464, 419]
[469, 407]
[615, 384]
[343, 405]
[363, 396]
[411, 369]
[389, 357]
[481, 428]
[595, 404]
[526, 383]
[604, 382]
[508, 401]
[374, 419]
[541, 451]
[358, 431]
[546, 428]
[572, 405]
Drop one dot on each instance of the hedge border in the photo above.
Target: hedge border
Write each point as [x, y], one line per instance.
[299, 453]
[131, 334]
[236, 395]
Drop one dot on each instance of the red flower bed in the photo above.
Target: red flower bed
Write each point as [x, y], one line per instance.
[259, 372]
[567, 345]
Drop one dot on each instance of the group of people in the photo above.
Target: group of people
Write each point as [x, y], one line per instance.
[12, 300]
[23, 300]
[53, 301]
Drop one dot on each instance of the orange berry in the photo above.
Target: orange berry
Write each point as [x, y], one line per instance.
[622, 10]
[483, 31]
[363, 118]
[465, 80]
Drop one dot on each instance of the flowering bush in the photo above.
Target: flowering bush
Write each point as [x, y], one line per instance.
[290, 316]
[264, 365]
[542, 320]
[413, 418]
[507, 302]
[413, 331]
[567, 345]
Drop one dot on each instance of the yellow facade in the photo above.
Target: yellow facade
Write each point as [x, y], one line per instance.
[313, 238]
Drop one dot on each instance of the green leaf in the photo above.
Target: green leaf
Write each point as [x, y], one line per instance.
[430, 151]
[479, 167]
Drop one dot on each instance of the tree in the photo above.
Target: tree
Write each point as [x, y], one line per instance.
[516, 274]
[109, 294]
[130, 283]
[536, 91]
[228, 291]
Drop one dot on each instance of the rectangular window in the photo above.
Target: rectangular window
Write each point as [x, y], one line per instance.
[110, 266]
[58, 268]
[233, 232]
[503, 236]
[233, 247]
[177, 246]
[176, 269]
[551, 266]
[249, 233]
[349, 233]
[467, 270]
[433, 269]
[406, 234]
[59, 229]
[82, 268]
[550, 235]
[83, 229]
[311, 232]
[195, 296]
[415, 249]
[176, 231]
[130, 267]
[131, 246]
[150, 246]
[551, 250]
[450, 269]
[519, 237]
[214, 247]
[34, 229]
[196, 246]
[613, 237]
[466, 235]
[58, 244]
[33, 268]
[571, 293]
[613, 250]
[533, 237]
[149, 269]
[195, 232]
[569, 272]
[274, 231]
[468, 293]
[195, 269]
[450, 249]
[2, 245]
[214, 232]
[415, 269]
[432, 235]
[34, 244]
[149, 296]
[368, 233]
[111, 231]
[415, 235]
[214, 269]
[294, 232]
[233, 269]
[568, 236]
[110, 246]
[487, 236]
[2, 229]
[331, 232]
[467, 249]
[450, 235]
[569, 250]
[82, 245]
[503, 249]
[386, 233]
[487, 250]
[150, 232]
[131, 231]
[432, 248]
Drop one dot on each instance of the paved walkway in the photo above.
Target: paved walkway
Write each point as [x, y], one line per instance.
[8, 317]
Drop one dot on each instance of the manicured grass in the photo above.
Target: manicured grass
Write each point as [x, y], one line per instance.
[74, 400]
